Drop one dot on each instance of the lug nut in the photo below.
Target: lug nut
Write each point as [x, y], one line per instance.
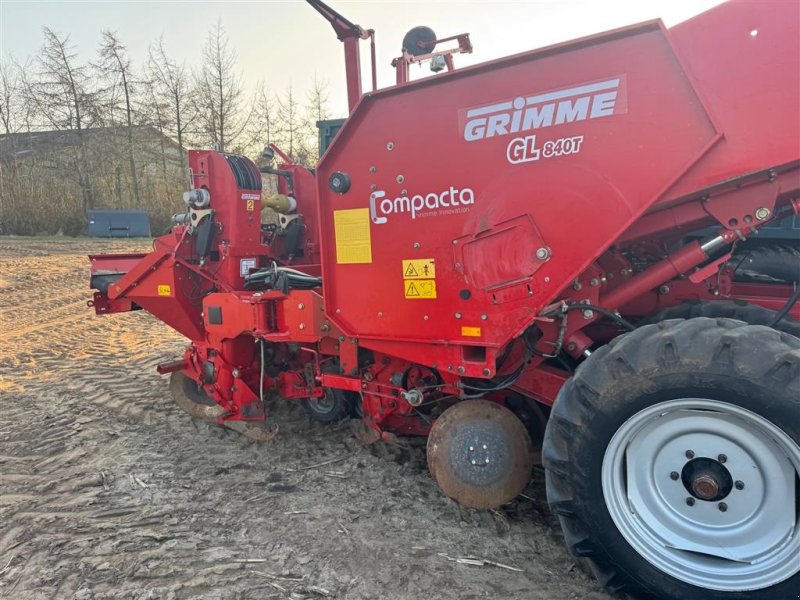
[722, 507]
[739, 485]
[722, 458]
[674, 476]
[690, 454]
[690, 501]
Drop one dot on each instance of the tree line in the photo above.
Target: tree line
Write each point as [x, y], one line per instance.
[108, 133]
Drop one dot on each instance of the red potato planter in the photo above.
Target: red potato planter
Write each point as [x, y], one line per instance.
[502, 256]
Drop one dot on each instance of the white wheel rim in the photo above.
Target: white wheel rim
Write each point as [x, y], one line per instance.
[755, 542]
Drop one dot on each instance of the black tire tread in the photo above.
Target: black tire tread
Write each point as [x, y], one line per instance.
[766, 262]
[752, 314]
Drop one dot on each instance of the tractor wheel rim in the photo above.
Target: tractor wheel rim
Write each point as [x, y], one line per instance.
[685, 516]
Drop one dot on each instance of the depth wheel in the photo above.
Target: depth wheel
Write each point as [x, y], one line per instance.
[480, 454]
[334, 406]
[189, 396]
[672, 460]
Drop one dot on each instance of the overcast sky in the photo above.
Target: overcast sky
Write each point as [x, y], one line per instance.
[283, 42]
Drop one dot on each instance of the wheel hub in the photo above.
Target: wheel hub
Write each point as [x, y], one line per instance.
[707, 479]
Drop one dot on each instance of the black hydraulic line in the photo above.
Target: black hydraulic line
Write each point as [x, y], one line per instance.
[603, 311]
[787, 307]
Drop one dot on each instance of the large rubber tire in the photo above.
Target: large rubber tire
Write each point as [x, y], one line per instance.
[766, 263]
[752, 314]
[732, 371]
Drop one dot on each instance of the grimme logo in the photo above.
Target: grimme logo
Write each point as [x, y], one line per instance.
[448, 202]
[579, 103]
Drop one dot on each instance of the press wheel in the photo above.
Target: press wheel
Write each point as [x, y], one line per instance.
[480, 454]
[189, 396]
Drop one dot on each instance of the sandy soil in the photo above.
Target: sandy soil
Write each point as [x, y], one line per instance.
[108, 491]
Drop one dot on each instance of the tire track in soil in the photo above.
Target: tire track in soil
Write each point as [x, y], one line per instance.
[107, 491]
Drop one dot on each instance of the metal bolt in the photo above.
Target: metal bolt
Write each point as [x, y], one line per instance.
[416, 245]
[577, 285]
[471, 448]
[301, 306]
[373, 187]
[663, 290]
[302, 325]
[390, 146]
[487, 461]
[400, 179]
[690, 501]
[484, 316]
[543, 253]
[454, 243]
[474, 462]
[588, 314]
[404, 192]
[547, 280]
[458, 315]
[674, 475]
[485, 447]
[739, 485]
[594, 282]
[487, 372]
[372, 169]
[762, 213]
[425, 318]
[235, 373]
[461, 370]
[722, 458]
[722, 506]
[690, 454]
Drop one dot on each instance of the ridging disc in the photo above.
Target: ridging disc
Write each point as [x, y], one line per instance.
[186, 393]
[480, 454]
[419, 41]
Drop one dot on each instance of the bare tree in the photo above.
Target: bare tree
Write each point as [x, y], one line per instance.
[61, 94]
[170, 93]
[115, 67]
[262, 129]
[218, 91]
[317, 100]
[291, 129]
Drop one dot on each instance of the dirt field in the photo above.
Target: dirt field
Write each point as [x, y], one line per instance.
[108, 491]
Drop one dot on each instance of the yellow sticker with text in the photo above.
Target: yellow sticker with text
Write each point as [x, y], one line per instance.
[251, 205]
[420, 289]
[164, 290]
[353, 240]
[419, 268]
[471, 331]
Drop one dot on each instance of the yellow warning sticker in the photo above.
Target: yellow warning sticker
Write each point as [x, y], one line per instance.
[420, 289]
[419, 268]
[471, 331]
[164, 290]
[353, 241]
[251, 205]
